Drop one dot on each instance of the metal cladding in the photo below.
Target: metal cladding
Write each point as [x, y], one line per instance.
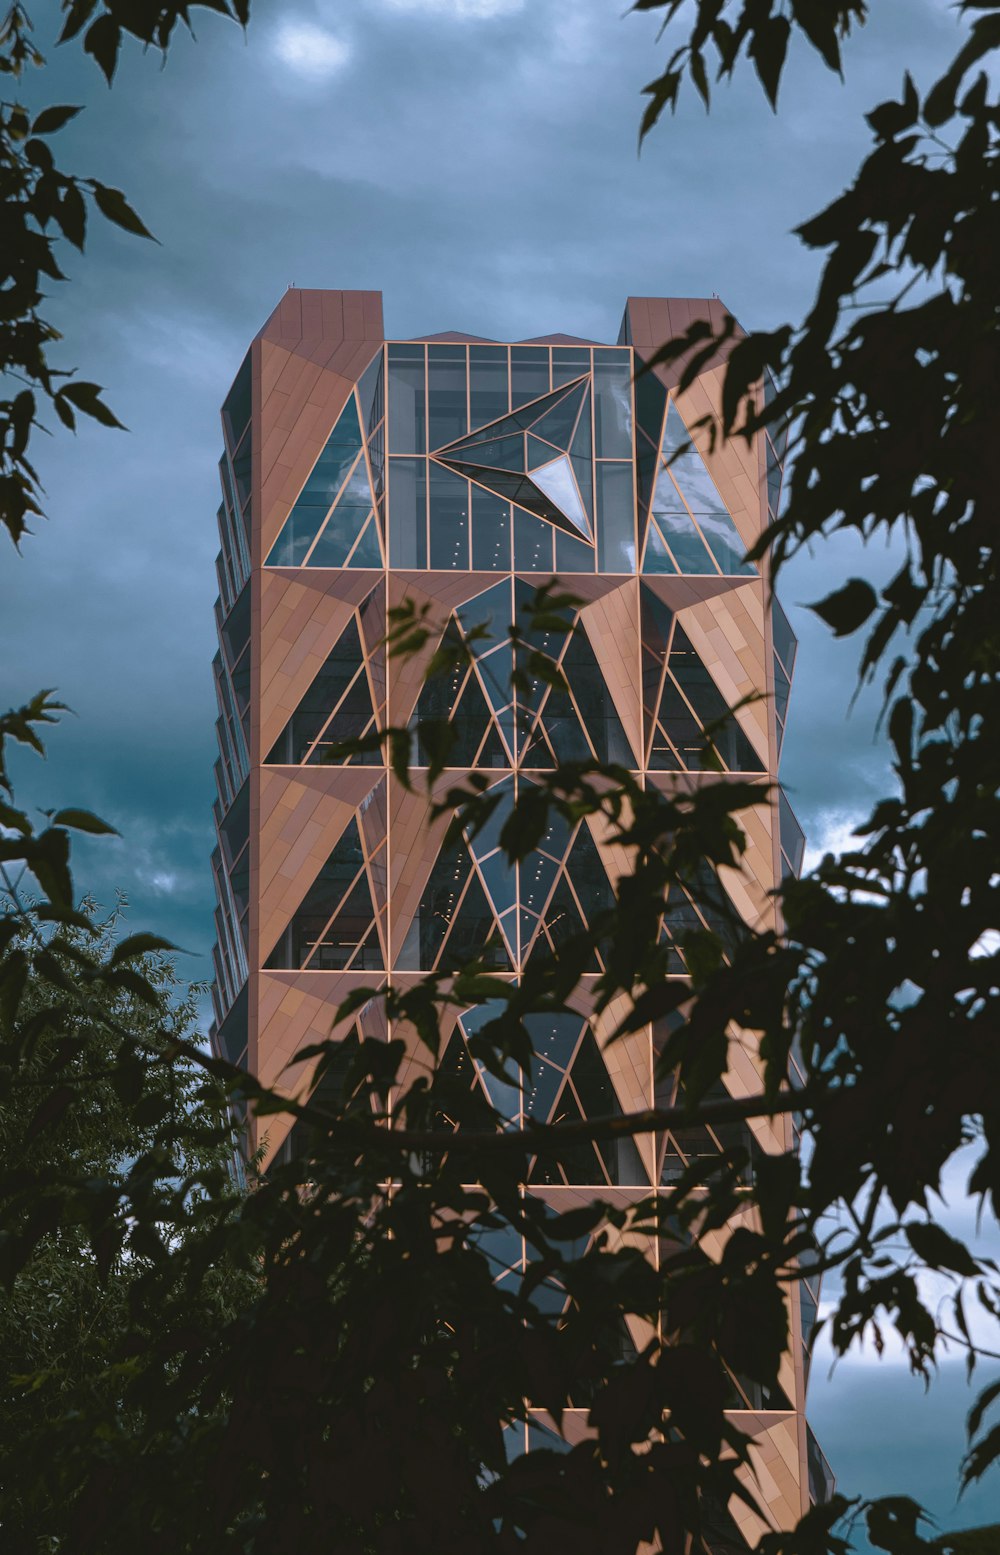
[461, 474]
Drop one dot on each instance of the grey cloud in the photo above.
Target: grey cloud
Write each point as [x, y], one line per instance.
[482, 170]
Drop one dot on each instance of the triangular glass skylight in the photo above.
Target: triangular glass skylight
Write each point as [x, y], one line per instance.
[557, 481]
[539, 458]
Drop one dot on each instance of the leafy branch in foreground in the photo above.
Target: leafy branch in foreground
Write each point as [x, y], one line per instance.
[44, 205]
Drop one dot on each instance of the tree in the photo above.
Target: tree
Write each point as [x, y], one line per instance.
[43, 205]
[357, 1400]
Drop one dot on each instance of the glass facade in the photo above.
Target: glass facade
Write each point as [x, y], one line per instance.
[461, 476]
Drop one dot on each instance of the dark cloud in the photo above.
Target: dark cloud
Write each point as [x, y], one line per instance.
[477, 162]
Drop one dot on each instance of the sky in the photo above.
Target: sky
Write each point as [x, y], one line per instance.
[477, 161]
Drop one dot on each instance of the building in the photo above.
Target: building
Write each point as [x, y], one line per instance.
[461, 473]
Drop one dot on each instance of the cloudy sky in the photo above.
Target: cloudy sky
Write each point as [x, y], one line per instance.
[476, 160]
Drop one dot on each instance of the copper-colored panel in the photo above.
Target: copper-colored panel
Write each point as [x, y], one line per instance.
[303, 813]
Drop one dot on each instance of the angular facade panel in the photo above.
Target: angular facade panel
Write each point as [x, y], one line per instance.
[460, 475]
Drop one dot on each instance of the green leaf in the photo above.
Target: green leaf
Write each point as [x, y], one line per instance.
[847, 608]
[52, 119]
[113, 205]
[83, 820]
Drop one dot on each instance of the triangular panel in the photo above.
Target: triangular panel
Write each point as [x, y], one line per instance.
[333, 928]
[327, 478]
[337, 706]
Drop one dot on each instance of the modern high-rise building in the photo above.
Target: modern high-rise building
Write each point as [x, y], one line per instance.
[460, 473]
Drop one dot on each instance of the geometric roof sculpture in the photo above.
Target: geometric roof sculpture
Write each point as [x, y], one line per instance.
[538, 457]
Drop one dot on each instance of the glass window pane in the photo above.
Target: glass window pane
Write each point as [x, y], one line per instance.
[615, 518]
[573, 555]
[407, 408]
[446, 390]
[529, 373]
[785, 641]
[408, 513]
[449, 515]
[569, 362]
[490, 532]
[532, 543]
[488, 397]
[613, 409]
[236, 410]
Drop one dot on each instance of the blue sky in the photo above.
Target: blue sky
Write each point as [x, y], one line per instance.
[476, 160]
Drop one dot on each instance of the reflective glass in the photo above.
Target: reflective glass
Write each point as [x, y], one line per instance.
[725, 543]
[242, 464]
[557, 481]
[569, 362]
[408, 513]
[490, 531]
[532, 543]
[573, 555]
[782, 690]
[488, 396]
[646, 466]
[335, 543]
[447, 416]
[490, 611]
[501, 453]
[710, 707]
[236, 631]
[351, 939]
[300, 530]
[371, 394]
[650, 403]
[687, 547]
[785, 641]
[367, 552]
[657, 557]
[558, 424]
[475, 934]
[500, 876]
[793, 838]
[615, 518]
[449, 518]
[320, 902]
[594, 700]
[529, 373]
[237, 407]
[407, 405]
[613, 409]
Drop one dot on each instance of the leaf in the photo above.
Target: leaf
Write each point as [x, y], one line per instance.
[87, 398]
[847, 608]
[938, 1250]
[52, 119]
[113, 205]
[767, 50]
[52, 1109]
[136, 945]
[84, 820]
[987, 1397]
[103, 40]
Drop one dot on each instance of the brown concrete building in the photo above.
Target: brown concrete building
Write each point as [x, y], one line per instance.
[462, 473]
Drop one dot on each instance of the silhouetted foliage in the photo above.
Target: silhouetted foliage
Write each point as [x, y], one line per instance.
[359, 1396]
